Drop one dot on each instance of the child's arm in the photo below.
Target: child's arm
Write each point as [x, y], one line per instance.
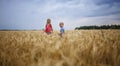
[51, 27]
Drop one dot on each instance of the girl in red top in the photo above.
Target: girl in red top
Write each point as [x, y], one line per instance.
[48, 27]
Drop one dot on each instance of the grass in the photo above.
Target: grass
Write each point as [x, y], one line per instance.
[76, 48]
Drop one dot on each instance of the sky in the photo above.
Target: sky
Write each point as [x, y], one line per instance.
[33, 14]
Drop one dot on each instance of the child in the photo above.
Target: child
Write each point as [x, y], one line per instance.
[61, 24]
[48, 27]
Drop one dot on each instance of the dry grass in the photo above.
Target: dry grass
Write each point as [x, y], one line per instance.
[76, 48]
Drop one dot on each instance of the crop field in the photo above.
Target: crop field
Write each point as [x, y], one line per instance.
[75, 48]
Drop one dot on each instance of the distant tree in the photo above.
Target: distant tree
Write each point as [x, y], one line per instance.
[99, 27]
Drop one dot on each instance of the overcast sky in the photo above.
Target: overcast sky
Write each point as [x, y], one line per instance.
[32, 14]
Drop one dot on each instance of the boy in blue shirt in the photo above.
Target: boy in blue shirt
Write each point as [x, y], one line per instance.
[62, 31]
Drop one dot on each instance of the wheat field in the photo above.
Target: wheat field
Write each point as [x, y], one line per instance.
[76, 48]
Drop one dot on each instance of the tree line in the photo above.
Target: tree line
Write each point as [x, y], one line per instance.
[99, 27]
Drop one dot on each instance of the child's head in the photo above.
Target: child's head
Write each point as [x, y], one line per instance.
[48, 21]
[61, 24]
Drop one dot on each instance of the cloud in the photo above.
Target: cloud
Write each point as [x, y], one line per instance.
[30, 14]
[100, 20]
[78, 8]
